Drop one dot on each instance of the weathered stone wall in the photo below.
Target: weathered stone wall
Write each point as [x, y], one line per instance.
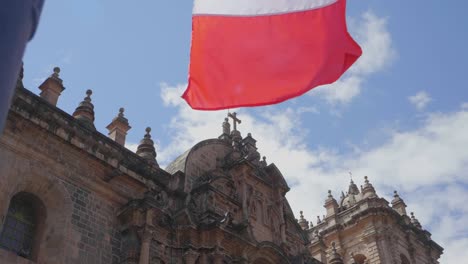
[374, 232]
[80, 223]
[94, 219]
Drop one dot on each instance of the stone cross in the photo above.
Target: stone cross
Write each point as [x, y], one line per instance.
[234, 119]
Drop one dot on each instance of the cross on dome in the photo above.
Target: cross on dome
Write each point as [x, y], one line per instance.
[234, 119]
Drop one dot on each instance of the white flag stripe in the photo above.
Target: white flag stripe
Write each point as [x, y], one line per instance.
[255, 7]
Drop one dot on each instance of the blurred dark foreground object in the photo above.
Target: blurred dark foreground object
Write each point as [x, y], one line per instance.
[18, 22]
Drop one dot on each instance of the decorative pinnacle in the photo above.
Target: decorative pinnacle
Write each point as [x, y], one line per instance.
[366, 180]
[412, 215]
[330, 194]
[148, 130]
[395, 194]
[56, 71]
[121, 111]
[88, 95]
[301, 213]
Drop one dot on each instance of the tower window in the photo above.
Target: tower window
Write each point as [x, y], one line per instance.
[19, 229]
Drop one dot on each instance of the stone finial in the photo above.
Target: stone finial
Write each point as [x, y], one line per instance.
[335, 258]
[263, 162]
[146, 148]
[368, 190]
[84, 113]
[52, 87]
[303, 222]
[415, 221]
[250, 149]
[353, 189]
[318, 219]
[331, 204]
[119, 127]
[398, 204]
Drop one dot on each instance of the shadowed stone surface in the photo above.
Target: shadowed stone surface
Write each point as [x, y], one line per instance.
[216, 203]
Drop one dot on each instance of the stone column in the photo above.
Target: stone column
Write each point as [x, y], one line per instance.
[145, 247]
[217, 256]
[191, 256]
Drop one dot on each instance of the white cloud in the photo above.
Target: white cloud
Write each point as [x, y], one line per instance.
[371, 32]
[188, 126]
[428, 165]
[420, 100]
[131, 146]
[464, 105]
[61, 59]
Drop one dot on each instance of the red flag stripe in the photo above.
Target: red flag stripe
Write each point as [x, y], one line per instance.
[261, 60]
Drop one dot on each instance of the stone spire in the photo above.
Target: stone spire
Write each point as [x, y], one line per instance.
[331, 204]
[398, 204]
[335, 258]
[85, 111]
[368, 190]
[119, 127]
[250, 148]
[52, 87]
[303, 222]
[146, 148]
[353, 189]
[415, 221]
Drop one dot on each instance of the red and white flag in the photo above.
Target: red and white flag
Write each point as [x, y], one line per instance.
[260, 52]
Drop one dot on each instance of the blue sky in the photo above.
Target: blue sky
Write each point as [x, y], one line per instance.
[399, 115]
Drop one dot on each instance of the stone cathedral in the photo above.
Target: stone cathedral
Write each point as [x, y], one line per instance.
[70, 194]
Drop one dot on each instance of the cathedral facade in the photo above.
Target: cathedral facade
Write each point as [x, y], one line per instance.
[69, 194]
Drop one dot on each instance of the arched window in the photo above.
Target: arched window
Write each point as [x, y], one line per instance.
[20, 228]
